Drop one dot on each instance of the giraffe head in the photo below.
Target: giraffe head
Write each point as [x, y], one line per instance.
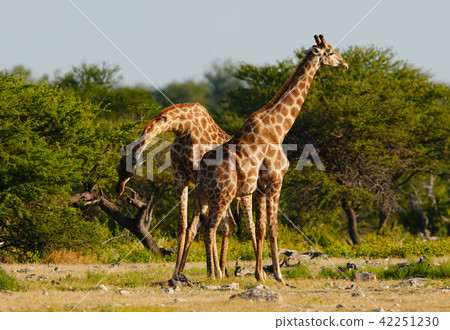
[328, 56]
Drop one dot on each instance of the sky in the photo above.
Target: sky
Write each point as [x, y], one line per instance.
[158, 42]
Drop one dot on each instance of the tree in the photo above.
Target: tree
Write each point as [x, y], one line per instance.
[372, 125]
[20, 71]
[54, 146]
[188, 91]
[101, 85]
[47, 141]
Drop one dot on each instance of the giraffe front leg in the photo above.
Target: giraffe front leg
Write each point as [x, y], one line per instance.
[227, 225]
[272, 215]
[208, 238]
[182, 227]
[216, 263]
[192, 231]
[260, 233]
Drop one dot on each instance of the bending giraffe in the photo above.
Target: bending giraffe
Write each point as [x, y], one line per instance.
[253, 161]
[196, 133]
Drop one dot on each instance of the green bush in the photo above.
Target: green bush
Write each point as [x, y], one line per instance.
[8, 282]
[297, 272]
[48, 139]
[425, 269]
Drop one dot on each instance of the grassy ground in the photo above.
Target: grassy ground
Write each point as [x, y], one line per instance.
[133, 287]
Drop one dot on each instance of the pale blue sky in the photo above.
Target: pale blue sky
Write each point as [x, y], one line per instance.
[176, 40]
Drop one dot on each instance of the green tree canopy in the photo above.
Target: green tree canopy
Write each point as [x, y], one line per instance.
[373, 124]
[48, 142]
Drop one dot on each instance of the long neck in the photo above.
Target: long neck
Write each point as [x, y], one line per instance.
[156, 126]
[280, 113]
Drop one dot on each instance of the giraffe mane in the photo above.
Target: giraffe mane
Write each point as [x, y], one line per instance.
[286, 84]
[169, 109]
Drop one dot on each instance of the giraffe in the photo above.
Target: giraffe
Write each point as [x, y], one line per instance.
[253, 161]
[196, 132]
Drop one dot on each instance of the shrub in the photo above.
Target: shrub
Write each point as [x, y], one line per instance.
[7, 281]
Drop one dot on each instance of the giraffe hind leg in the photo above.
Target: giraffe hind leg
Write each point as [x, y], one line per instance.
[215, 215]
[246, 203]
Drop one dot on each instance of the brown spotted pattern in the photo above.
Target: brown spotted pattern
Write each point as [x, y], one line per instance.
[253, 162]
[196, 133]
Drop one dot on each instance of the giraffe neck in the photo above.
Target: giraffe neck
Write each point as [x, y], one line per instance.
[155, 127]
[280, 113]
[190, 121]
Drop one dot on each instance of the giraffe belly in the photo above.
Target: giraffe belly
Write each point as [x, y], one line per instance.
[246, 183]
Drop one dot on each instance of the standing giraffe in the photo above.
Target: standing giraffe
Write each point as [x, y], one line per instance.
[253, 161]
[196, 132]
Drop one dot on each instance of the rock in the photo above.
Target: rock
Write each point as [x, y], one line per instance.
[179, 300]
[175, 284]
[397, 305]
[8, 292]
[168, 290]
[180, 280]
[313, 254]
[293, 258]
[239, 272]
[355, 294]
[365, 276]
[411, 282]
[445, 289]
[259, 293]
[45, 293]
[55, 282]
[340, 306]
[58, 270]
[30, 277]
[378, 309]
[209, 287]
[103, 287]
[160, 305]
[351, 265]
[25, 270]
[229, 287]
[124, 292]
[42, 278]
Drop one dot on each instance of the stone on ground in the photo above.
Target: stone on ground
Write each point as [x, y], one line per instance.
[259, 293]
[365, 276]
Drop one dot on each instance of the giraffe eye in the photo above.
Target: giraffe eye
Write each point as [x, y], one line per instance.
[329, 53]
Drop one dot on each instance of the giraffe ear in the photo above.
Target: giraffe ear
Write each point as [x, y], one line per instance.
[306, 51]
[315, 50]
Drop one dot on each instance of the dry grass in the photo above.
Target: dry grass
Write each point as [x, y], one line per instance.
[68, 257]
[131, 287]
